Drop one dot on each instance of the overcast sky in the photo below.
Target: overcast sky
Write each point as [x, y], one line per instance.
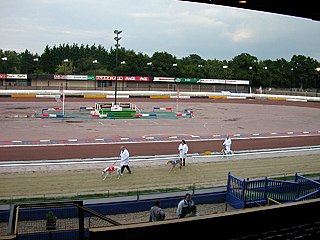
[149, 26]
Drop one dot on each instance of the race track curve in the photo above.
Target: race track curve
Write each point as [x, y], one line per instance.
[73, 151]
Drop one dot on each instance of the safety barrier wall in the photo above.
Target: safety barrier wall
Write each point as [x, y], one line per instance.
[230, 225]
[255, 222]
[262, 219]
[55, 235]
[151, 94]
[122, 207]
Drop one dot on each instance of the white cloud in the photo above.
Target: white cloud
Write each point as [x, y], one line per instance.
[241, 35]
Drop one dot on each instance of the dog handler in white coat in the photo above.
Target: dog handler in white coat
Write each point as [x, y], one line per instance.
[183, 150]
[227, 144]
[124, 157]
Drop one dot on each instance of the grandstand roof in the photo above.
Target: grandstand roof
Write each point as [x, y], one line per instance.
[296, 8]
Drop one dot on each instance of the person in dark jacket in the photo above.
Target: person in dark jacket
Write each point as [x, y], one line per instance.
[184, 206]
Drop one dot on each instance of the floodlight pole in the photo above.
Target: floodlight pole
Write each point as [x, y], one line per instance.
[117, 39]
[95, 73]
[225, 80]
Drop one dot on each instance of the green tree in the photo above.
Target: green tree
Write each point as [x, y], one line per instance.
[214, 69]
[192, 66]
[298, 72]
[245, 67]
[49, 60]
[163, 64]
[10, 62]
[65, 68]
[27, 63]
[304, 72]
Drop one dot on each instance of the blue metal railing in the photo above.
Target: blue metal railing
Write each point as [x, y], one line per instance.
[248, 193]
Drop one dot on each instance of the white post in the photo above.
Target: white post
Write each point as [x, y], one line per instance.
[63, 97]
[178, 100]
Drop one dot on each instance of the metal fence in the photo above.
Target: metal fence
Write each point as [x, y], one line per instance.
[55, 220]
[248, 193]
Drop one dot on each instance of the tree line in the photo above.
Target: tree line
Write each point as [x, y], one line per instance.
[300, 72]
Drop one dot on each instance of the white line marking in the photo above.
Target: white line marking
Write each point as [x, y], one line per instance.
[262, 152]
[149, 137]
[153, 141]
[148, 158]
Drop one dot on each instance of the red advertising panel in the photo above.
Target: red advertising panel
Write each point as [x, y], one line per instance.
[124, 78]
[106, 78]
[136, 78]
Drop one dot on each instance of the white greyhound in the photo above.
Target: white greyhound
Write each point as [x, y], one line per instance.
[109, 170]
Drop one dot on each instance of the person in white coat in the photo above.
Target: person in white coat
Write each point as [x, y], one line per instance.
[183, 150]
[124, 157]
[227, 145]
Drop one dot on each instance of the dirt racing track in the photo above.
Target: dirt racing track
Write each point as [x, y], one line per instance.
[253, 124]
